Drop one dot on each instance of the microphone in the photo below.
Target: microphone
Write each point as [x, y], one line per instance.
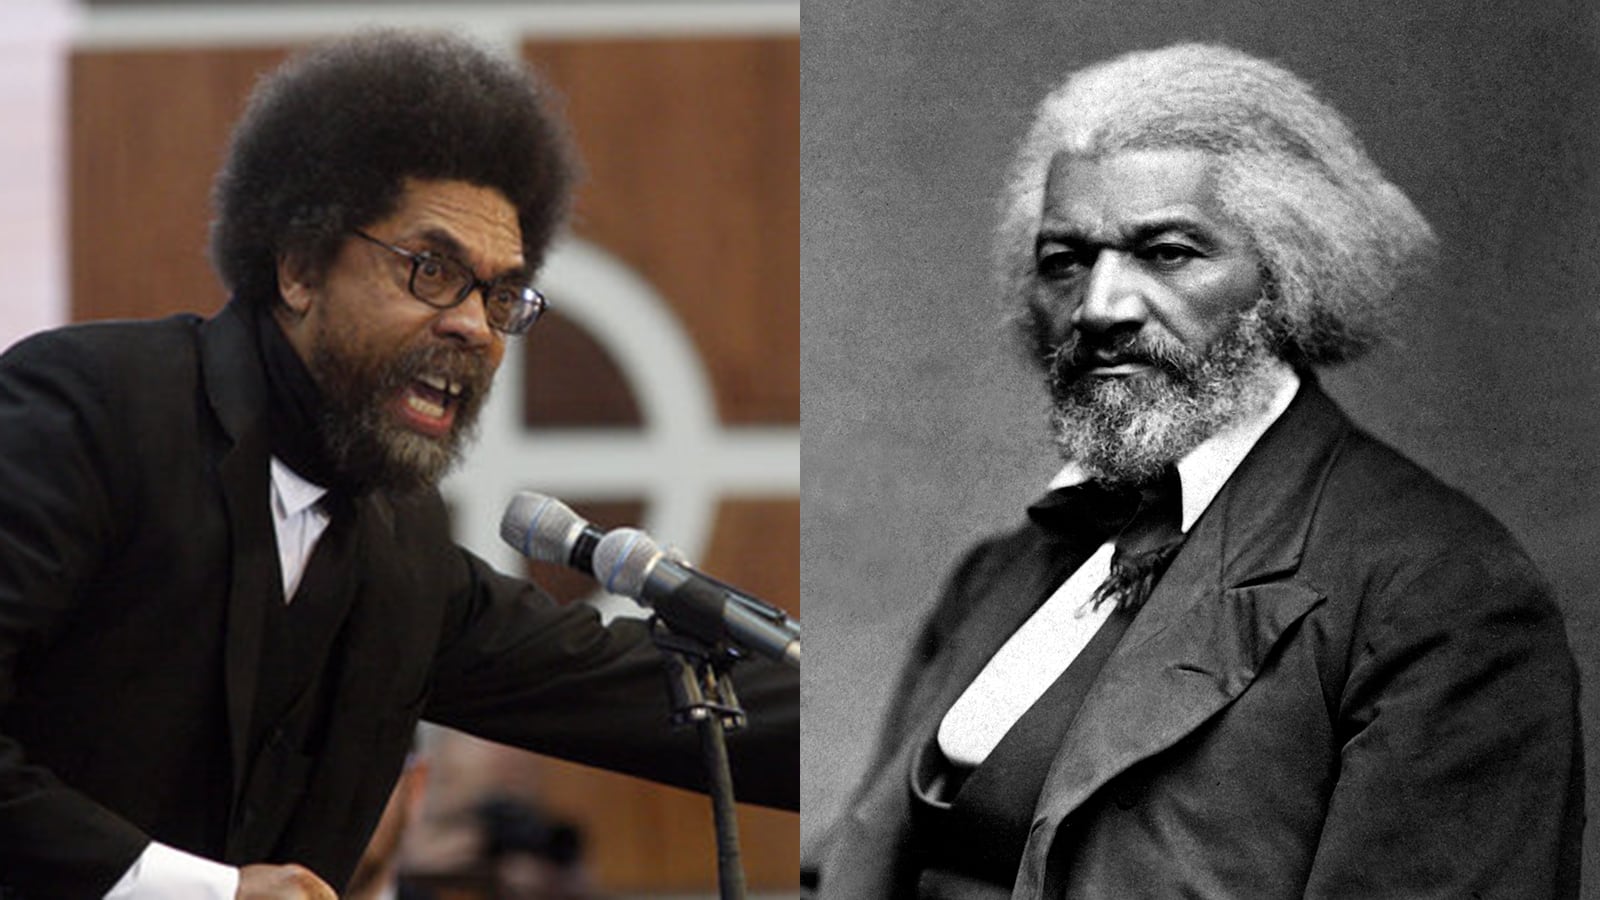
[628, 562]
[545, 529]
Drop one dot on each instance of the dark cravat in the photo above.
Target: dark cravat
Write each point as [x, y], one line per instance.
[1145, 545]
[1143, 519]
[1089, 512]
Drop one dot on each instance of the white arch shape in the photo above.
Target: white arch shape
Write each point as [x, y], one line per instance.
[682, 461]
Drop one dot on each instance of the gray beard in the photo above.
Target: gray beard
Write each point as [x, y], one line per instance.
[358, 430]
[378, 453]
[1125, 430]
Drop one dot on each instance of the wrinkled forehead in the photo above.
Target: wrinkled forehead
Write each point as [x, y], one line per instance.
[475, 224]
[1111, 197]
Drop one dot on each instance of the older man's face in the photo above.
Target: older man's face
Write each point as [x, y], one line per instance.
[404, 381]
[1143, 312]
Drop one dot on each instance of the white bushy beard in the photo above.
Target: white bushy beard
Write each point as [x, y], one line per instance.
[1126, 429]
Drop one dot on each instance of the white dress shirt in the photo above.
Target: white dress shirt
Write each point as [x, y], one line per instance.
[1042, 648]
[298, 520]
[166, 873]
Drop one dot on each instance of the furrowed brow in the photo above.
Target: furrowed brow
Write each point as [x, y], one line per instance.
[1056, 234]
[443, 242]
[1129, 235]
[440, 241]
[1145, 232]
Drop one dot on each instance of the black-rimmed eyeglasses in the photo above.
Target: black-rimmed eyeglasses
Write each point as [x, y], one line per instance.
[510, 306]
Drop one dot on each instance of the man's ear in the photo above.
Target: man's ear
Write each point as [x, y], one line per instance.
[295, 284]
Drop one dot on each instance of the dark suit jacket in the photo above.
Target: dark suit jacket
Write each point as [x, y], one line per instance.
[1350, 683]
[136, 560]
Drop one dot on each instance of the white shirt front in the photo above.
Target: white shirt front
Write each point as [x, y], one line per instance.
[1042, 648]
[298, 521]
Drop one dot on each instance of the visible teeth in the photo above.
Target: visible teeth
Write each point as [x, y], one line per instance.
[440, 383]
[424, 406]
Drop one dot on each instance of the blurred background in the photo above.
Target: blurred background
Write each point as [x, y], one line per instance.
[663, 391]
[925, 431]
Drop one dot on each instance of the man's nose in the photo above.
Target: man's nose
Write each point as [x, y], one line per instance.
[1113, 294]
[467, 321]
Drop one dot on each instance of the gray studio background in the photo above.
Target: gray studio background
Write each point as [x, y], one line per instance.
[922, 431]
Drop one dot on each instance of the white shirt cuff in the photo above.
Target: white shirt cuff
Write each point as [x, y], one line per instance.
[162, 873]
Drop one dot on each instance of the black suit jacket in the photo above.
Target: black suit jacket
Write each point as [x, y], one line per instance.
[136, 561]
[1350, 683]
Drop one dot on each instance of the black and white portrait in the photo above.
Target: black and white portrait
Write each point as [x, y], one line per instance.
[1199, 483]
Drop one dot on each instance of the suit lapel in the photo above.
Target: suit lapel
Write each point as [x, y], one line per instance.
[378, 678]
[383, 652]
[236, 388]
[861, 860]
[1199, 642]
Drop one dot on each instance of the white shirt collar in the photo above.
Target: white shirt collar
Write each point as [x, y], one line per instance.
[290, 493]
[1208, 467]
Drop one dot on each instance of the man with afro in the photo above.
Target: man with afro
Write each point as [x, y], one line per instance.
[227, 586]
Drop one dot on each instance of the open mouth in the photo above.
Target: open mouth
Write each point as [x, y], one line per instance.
[428, 404]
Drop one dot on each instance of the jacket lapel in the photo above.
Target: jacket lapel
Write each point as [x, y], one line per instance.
[236, 389]
[864, 854]
[1199, 642]
[385, 643]
[377, 682]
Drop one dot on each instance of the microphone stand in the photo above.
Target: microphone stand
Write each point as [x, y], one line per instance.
[701, 692]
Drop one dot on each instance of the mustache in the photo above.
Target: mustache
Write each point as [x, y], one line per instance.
[1082, 351]
[471, 368]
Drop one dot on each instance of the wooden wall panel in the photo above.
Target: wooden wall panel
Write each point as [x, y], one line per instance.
[691, 151]
[753, 545]
[693, 155]
[565, 354]
[147, 133]
[661, 839]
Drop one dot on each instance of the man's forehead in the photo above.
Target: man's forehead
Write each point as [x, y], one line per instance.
[460, 218]
[1123, 195]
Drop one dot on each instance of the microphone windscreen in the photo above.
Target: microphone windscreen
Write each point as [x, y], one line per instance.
[623, 558]
[540, 527]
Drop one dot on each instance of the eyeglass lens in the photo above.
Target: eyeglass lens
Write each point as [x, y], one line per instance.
[441, 281]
